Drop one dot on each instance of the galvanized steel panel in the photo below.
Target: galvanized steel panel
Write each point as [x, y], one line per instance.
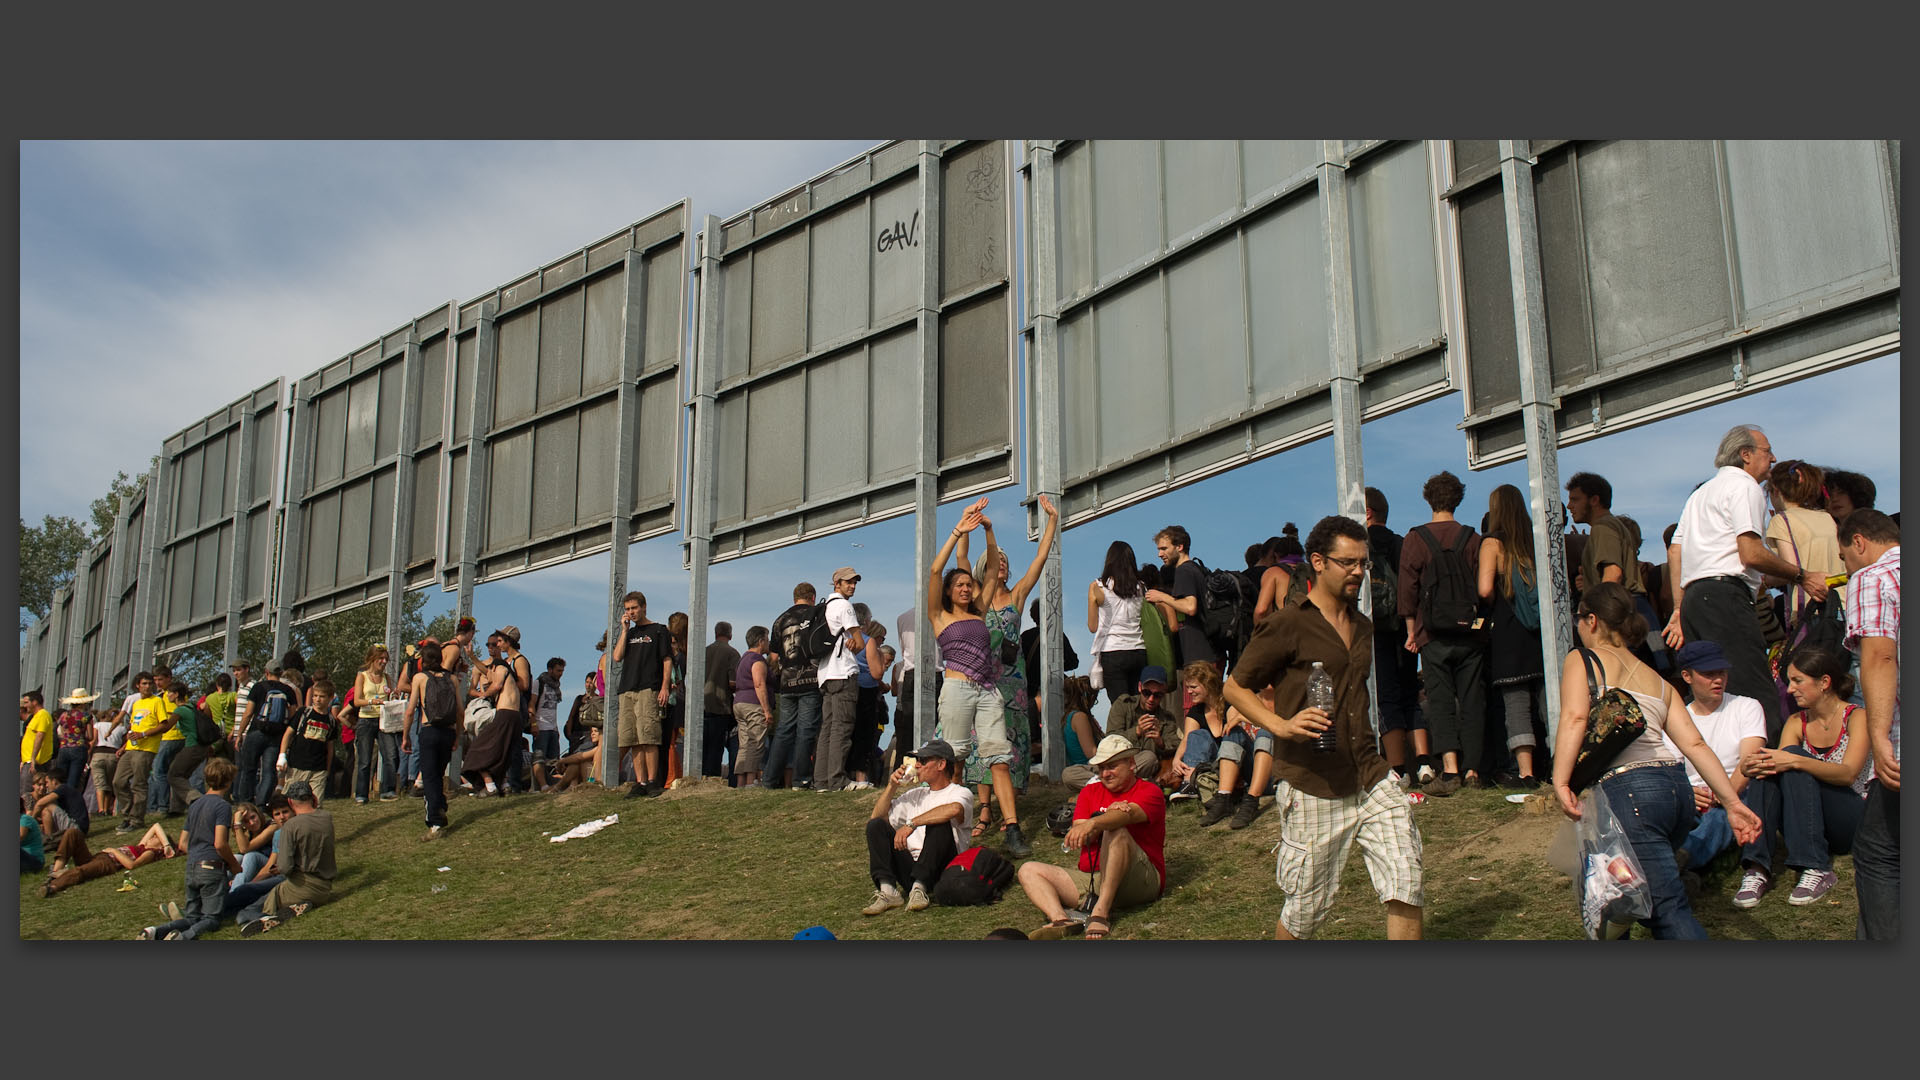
[1648, 316]
[464, 362]
[510, 465]
[562, 323]
[1192, 284]
[556, 469]
[427, 494]
[329, 439]
[666, 312]
[596, 436]
[656, 467]
[818, 348]
[517, 368]
[606, 300]
[363, 409]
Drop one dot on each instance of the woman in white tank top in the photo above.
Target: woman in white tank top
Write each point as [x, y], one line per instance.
[1646, 787]
[1113, 617]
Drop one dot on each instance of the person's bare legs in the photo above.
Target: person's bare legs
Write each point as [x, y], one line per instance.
[1049, 887]
[1393, 748]
[1003, 791]
[1422, 743]
[1523, 757]
[1116, 854]
[1403, 921]
[1229, 775]
[1262, 774]
[649, 759]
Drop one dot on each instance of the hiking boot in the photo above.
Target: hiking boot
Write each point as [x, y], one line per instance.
[1017, 845]
[1813, 885]
[1443, 785]
[1216, 810]
[885, 899]
[1243, 815]
[918, 900]
[1753, 885]
[1188, 790]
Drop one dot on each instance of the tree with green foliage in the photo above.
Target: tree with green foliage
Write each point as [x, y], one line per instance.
[47, 555]
[121, 492]
[335, 645]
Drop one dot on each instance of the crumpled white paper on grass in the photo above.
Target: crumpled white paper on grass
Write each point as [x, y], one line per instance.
[587, 829]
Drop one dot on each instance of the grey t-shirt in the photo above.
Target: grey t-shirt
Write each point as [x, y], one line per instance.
[207, 813]
[309, 847]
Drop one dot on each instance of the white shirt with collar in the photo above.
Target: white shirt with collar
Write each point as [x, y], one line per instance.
[839, 662]
[1709, 534]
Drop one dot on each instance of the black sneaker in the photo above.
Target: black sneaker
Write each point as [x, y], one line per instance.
[639, 791]
[1216, 810]
[1243, 815]
[1188, 790]
[655, 789]
[1516, 782]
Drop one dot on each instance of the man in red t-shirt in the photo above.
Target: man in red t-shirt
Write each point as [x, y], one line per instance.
[1120, 830]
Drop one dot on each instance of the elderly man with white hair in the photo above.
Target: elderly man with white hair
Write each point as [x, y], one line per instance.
[1717, 556]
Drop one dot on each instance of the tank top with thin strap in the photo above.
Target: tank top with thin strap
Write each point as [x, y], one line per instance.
[963, 646]
[1120, 618]
[1650, 746]
[1838, 751]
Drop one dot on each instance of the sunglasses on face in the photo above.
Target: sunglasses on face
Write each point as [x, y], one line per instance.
[1145, 692]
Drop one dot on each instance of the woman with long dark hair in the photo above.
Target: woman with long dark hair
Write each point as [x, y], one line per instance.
[1001, 604]
[1812, 786]
[1646, 785]
[1289, 564]
[1508, 577]
[1113, 618]
[970, 700]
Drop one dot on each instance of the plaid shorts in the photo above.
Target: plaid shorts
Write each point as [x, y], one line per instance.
[1315, 834]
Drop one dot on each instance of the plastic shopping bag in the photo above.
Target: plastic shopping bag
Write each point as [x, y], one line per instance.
[1610, 887]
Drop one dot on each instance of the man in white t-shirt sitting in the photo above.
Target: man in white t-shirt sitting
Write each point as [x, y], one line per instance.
[914, 834]
[1733, 727]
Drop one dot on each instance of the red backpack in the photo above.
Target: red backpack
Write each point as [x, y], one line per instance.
[977, 875]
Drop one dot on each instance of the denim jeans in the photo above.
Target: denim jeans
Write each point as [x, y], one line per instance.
[242, 897]
[1655, 807]
[368, 741]
[1818, 820]
[206, 899]
[792, 742]
[250, 864]
[1876, 865]
[70, 763]
[410, 761]
[158, 792]
[258, 753]
[1202, 748]
[1713, 835]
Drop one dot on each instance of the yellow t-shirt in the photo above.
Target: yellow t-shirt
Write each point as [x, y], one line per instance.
[41, 725]
[148, 714]
[1807, 538]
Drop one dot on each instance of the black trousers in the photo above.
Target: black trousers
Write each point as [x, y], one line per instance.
[1720, 610]
[1455, 673]
[435, 745]
[892, 866]
[713, 741]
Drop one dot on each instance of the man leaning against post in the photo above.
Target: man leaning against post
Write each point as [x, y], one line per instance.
[1342, 794]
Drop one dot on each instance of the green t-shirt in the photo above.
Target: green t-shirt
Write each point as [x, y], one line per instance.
[220, 705]
[183, 723]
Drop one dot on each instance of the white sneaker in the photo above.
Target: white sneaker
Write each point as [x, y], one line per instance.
[885, 899]
[859, 785]
[1425, 776]
[918, 900]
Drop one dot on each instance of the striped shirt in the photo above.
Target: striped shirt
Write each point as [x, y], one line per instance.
[1873, 610]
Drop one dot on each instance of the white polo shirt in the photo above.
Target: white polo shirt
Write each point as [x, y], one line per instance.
[1722, 730]
[1716, 514]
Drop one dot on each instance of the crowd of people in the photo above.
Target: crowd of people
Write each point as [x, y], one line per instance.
[1761, 661]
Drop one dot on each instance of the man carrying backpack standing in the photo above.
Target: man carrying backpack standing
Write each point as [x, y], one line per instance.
[1440, 598]
[1186, 591]
[798, 719]
[1396, 670]
[646, 669]
[839, 695]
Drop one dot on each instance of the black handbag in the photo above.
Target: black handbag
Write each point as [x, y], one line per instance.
[1614, 721]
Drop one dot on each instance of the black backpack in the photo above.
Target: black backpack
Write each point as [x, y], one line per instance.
[206, 733]
[1383, 585]
[1226, 609]
[440, 701]
[811, 638]
[977, 875]
[1449, 591]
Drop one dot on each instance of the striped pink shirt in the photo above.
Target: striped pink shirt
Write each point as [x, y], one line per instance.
[1873, 610]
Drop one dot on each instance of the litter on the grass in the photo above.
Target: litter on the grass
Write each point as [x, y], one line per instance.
[586, 829]
[1516, 799]
[444, 869]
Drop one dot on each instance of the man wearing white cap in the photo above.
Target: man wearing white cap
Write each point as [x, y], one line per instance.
[1120, 829]
[839, 694]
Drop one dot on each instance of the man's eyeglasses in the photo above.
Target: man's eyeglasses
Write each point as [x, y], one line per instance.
[1350, 564]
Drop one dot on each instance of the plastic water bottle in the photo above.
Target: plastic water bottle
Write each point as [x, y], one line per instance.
[1320, 696]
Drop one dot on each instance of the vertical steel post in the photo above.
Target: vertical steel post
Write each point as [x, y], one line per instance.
[293, 540]
[633, 336]
[485, 356]
[700, 498]
[412, 373]
[1045, 414]
[1348, 471]
[107, 662]
[926, 477]
[238, 569]
[56, 646]
[158, 521]
[77, 621]
[1536, 410]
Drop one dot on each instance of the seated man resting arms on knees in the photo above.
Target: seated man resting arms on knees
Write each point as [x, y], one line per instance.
[914, 834]
[1120, 829]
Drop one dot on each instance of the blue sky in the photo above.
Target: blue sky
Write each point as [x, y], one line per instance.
[168, 279]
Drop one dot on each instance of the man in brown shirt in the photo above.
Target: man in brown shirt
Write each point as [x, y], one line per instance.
[1333, 797]
[1612, 553]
